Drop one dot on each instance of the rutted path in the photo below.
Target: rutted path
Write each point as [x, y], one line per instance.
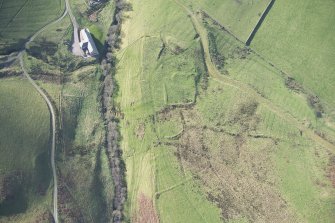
[216, 75]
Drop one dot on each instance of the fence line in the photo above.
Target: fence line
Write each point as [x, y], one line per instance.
[259, 23]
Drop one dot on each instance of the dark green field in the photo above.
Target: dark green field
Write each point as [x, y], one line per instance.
[19, 19]
[25, 173]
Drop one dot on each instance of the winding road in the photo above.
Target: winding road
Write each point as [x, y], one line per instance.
[51, 109]
[76, 51]
[53, 142]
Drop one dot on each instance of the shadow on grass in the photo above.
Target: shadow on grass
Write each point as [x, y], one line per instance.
[100, 46]
[14, 190]
[97, 192]
[20, 188]
[8, 48]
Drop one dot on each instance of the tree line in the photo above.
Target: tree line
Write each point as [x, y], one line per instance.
[109, 111]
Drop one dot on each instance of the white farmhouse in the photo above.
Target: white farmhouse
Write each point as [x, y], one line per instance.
[87, 43]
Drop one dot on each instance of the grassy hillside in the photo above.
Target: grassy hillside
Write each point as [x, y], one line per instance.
[25, 173]
[19, 19]
[246, 66]
[157, 69]
[233, 146]
[211, 130]
[299, 38]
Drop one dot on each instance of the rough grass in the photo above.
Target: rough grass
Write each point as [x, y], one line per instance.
[226, 156]
[262, 162]
[249, 67]
[299, 38]
[24, 160]
[19, 19]
[304, 189]
[158, 69]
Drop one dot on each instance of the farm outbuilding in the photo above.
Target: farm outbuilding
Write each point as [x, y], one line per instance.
[87, 43]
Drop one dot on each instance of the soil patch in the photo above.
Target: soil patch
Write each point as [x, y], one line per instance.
[332, 170]
[147, 212]
[140, 131]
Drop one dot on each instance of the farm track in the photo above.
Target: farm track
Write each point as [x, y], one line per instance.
[75, 46]
[52, 112]
[217, 76]
[53, 117]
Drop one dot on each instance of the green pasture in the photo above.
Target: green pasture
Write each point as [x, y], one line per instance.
[25, 148]
[199, 149]
[180, 199]
[251, 68]
[158, 19]
[252, 154]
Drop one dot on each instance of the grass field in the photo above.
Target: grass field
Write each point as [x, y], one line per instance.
[25, 171]
[191, 142]
[304, 45]
[19, 19]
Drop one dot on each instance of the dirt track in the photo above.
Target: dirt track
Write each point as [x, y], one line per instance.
[53, 143]
[52, 113]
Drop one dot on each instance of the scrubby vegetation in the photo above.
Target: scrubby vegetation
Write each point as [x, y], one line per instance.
[112, 114]
[223, 145]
